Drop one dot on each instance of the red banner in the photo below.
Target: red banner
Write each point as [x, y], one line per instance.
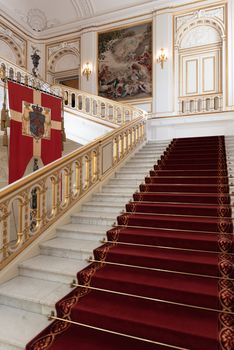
[35, 128]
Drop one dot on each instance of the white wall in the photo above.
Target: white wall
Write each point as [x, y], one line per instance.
[81, 130]
[230, 45]
[191, 126]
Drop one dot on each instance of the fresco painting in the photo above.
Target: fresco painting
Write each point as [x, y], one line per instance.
[125, 63]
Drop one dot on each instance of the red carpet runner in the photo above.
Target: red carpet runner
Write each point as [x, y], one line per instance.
[171, 259]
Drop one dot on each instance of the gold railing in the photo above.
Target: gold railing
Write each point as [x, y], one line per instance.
[31, 205]
[21, 75]
[98, 107]
[83, 102]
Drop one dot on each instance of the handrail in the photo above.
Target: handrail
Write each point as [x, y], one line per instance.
[21, 75]
[32, 204]
[98, 107]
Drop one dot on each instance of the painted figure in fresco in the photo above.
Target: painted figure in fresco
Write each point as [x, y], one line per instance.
[125, 67]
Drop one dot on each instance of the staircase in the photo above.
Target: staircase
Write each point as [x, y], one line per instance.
[164, 279]
[44, 279]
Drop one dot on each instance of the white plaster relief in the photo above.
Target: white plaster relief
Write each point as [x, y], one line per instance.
[7, 32]
[57, 60]
[13, 47]
[75, 45]
[37, 20]
[68, 61]
[84, 8]
[201, 35]
[206, 13]
[206, 22]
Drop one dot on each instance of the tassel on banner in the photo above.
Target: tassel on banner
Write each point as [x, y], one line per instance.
[5, 138]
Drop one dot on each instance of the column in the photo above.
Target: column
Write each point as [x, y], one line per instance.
[230, 59]
[89, 54]
[163, 78]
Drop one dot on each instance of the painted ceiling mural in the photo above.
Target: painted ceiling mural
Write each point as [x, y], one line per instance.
[125, 62]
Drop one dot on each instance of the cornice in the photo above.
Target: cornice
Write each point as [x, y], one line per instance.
[76, 28]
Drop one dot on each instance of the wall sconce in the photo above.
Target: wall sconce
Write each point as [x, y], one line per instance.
[87, 70]
[162, 58]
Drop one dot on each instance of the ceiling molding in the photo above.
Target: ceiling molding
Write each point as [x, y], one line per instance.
[89, 19]
[84, 8]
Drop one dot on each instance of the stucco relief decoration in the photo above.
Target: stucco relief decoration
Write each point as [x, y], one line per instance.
[64, 45]
[201, 35]
[125, 63]
[56, 51]
[36, 19]
[17, 44]
[206, 13]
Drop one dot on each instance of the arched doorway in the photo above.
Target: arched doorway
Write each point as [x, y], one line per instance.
[64, 68]
[199, 57]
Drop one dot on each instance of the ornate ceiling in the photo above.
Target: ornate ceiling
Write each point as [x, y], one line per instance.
[39, 17]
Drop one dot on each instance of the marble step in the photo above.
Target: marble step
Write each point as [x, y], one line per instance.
[119, 189]
[153, 148]
[150, 142]
[87, 232]
[51, 268]
[156, 144]
[126, 181]
[137, 167]
[79, 249]
[150, 153]
[130, 175]
[94, 218]
[32, 294]
[105, 207]
[144, 159]
[229, 149]
[112, 197]
[25, 324]
[147, 156]
[143, 171]
[141, 163]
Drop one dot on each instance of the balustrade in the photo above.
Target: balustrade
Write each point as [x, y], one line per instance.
[200, 104]
[13, 72]
[99, 107]
[29, 206]
[95, 106]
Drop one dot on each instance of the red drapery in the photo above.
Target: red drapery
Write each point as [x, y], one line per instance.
[24, 147]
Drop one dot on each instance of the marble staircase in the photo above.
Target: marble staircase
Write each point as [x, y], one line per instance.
[27, 299]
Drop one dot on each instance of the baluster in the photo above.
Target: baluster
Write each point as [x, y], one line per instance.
[77, 177]
[43, 194]
[26, 215]
[4, 219]
[68, 173]
[129, 139]
[212, 103]
[83, 103]
[38, 209]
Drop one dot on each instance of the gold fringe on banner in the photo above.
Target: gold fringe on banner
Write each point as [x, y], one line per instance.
[5, 120]
[64, 138]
